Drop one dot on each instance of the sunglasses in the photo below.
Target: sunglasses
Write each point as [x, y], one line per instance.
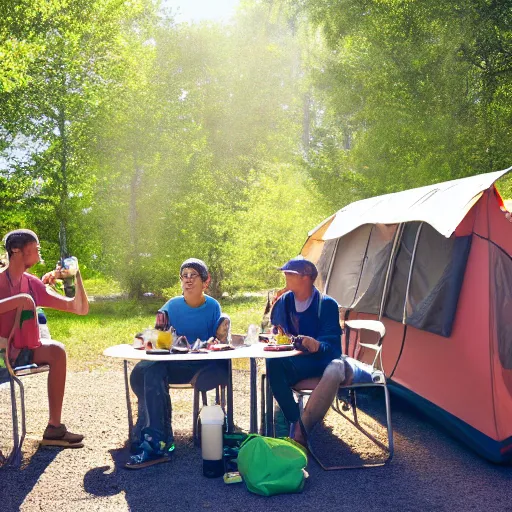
[188, 276]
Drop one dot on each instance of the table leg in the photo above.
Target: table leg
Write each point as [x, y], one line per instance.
[254, 398]
[269, 414]
[128, 401]
[231, 425]
[263, 408]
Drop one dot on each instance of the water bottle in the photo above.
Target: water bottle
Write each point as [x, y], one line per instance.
[252, 335]
[212, 422]
[44, 331]
[69, 268]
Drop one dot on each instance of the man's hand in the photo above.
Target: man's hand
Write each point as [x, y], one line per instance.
[311, 344]
[50, 277]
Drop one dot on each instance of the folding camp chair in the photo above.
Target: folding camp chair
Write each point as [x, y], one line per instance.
[370, 376]
[14, 373]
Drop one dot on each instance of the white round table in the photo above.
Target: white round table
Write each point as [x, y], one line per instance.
[252, 352]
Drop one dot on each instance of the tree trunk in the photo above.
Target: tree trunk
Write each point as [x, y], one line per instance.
[63, 199]
[134, 281]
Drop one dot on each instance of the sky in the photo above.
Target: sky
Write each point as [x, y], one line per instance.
[201, 10]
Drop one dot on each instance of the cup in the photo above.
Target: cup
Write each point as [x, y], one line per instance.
[252, 335]
[138, 341]
[164, 340]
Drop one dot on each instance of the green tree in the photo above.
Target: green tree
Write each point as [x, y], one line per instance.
[409, 92]
[53, 101]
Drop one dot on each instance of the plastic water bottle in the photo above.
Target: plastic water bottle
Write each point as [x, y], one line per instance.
[69, 267]
[44, 331]
[252, 335]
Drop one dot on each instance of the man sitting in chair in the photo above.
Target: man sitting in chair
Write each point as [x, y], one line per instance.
[303, 311]
[22, 248]
[194, 315]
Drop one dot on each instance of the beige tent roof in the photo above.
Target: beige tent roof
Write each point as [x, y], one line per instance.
[442, 205]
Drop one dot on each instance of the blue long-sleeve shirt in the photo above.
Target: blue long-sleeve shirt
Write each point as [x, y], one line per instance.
[320, 321]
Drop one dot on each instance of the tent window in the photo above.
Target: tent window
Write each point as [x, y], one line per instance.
[394, 308]
[501, 303]
[436, 281]
[347, 264]
[373, 276]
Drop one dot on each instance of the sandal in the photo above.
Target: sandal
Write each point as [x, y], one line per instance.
[147, 458]
[60, 436]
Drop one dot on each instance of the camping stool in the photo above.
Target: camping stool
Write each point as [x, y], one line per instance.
[373, 377]
[220, 399]
[14, 374]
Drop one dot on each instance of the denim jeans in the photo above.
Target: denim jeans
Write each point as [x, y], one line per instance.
[284, 372]
[150, 382]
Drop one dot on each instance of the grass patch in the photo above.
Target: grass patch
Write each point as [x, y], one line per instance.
[101, 286]
[113, 322]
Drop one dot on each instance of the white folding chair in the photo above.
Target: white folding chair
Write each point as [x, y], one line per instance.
[14, 458]
[371, 376]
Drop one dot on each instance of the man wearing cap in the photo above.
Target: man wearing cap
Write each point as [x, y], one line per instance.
[22, 246]
[303, 311]
[196, 316]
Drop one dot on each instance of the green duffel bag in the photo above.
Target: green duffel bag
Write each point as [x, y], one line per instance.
[272, 465]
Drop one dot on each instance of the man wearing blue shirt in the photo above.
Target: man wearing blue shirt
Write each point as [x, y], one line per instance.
[194, 315]
[303, 311]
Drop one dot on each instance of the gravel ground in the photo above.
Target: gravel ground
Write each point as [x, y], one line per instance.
[430, 470]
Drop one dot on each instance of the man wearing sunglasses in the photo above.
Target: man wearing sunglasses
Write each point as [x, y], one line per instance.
[196, 316]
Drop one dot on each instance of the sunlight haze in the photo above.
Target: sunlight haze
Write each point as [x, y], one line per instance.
[201, 10]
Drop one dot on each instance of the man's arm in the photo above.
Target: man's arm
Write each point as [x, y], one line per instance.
[328, 340]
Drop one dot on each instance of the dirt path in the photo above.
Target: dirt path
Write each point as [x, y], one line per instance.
[430, 471]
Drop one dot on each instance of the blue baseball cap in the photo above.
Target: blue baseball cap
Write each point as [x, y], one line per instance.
[302, 266]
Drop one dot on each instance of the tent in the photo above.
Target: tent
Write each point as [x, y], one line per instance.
[435, 265]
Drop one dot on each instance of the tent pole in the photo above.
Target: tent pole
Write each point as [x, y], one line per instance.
[398, 235]
[413, 257]
[328, 279]
[362, 265]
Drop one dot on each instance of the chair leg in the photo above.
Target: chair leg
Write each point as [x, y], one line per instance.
[391, 446]
[229, 399]
[389, 449]
[195, 418]
[15, 456]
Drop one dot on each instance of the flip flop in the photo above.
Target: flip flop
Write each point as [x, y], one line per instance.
[143, 460]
